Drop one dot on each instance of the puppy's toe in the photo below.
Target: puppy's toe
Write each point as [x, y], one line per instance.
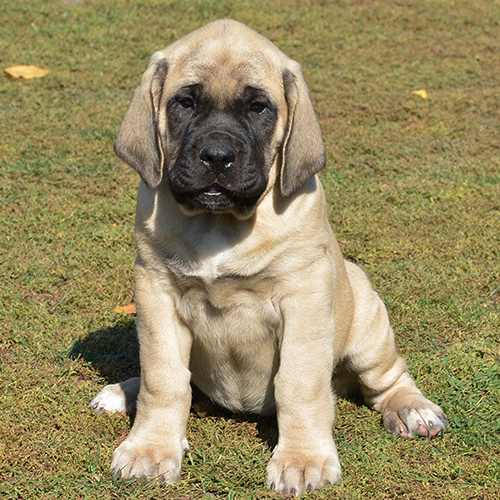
[157, 462]
[422, 418]
[111, 399]
[292, 473]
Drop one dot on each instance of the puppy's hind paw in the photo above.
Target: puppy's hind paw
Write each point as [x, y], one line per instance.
[422, 418]
[112, 399]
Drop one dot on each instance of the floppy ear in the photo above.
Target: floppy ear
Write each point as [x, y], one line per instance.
[138, 142]
[302, 151]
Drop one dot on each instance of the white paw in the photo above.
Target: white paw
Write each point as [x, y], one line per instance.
[111, 399]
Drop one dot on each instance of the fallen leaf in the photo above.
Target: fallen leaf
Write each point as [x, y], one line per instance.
[421, 93]
[26, 72]
[128, 309]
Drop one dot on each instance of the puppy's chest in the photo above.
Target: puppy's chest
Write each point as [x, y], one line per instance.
[228, 309]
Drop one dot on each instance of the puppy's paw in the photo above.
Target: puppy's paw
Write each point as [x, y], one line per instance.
[420, 417]
[111, 399]
[293, 472]
[156, 461]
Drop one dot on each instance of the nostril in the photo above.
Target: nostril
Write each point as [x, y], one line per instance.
[205, 154]
[217, 155]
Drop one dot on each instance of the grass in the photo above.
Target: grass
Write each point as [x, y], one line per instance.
[414, 193]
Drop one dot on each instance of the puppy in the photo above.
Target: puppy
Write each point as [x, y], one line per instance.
[240, 283]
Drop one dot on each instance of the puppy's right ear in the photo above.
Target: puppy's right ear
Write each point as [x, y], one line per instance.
[138, 142]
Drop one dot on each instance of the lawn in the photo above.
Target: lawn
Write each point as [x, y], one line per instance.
[414, 192]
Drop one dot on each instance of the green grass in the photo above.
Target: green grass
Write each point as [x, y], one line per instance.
[414, 193]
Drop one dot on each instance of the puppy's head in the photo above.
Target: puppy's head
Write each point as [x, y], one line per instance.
[214, 113]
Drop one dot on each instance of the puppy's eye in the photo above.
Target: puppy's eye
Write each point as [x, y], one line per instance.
[258, 107]
[186, 102]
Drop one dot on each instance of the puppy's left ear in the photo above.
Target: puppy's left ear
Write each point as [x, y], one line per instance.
[302, 151]
[138, 142]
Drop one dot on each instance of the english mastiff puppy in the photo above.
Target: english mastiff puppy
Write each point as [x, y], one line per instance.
[240, 283]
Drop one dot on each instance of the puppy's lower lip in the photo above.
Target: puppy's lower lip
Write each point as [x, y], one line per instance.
[214, 190]
[213, 193]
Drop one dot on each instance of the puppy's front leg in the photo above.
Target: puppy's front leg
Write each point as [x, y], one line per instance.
[305, 457]
[157, 442]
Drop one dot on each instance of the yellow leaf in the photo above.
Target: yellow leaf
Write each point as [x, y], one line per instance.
[421, 93]
[26, 72]
[128, 309]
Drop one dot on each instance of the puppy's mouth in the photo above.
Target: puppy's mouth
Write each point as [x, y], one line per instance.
[214, 198]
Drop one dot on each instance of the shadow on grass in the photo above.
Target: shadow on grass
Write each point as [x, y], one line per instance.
[114, 353]
[267, 427]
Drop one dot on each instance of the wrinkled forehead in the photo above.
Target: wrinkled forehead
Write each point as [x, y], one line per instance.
[225, 71]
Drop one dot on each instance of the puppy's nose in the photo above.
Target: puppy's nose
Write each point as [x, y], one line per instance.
[217, 157]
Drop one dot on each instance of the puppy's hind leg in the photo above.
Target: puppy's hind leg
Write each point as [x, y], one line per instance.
[119, 397]
[385, 382]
